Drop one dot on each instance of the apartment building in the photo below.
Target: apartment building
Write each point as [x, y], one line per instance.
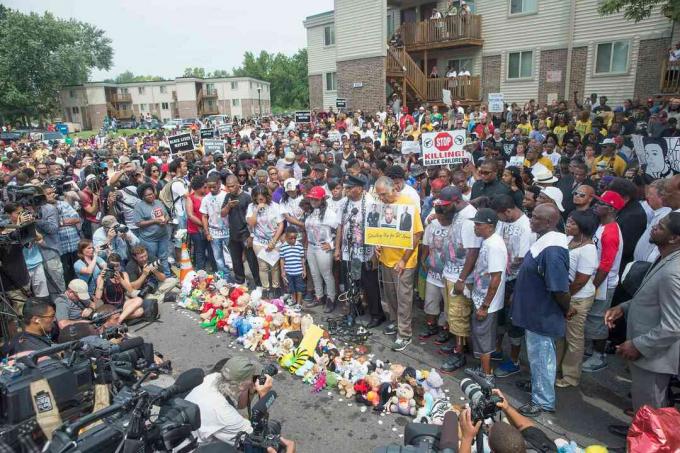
[525, 49]
[184, 97]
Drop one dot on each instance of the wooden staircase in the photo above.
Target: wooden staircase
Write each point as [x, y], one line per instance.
[401, 67]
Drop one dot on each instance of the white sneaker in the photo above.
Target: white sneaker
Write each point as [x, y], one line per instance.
[594, 363]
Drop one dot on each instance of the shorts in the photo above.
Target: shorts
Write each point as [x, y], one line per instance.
[296, 284]
[595, 328]
[484, 333]
[434, 296]
[459, 310]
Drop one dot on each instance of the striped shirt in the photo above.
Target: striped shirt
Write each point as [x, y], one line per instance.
[292, 256]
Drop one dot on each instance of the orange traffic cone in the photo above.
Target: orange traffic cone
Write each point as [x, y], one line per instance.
[184, 263]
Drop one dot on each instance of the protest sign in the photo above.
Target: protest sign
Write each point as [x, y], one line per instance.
[496, 103]
[446, 97]
[446, 147]
[334, 136]
[207, 133]
[410, 147]
[225, 129]
[389, 225]
[211, 146]
[341, 103]
[660, 157]
[303, 117]
[180, 143]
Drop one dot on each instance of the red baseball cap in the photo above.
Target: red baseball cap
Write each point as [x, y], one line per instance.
[316, 192]
[613, 199]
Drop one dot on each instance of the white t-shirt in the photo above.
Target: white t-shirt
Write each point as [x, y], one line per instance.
[334, 205]
[219, 419]
[554, 158]
[211, 205]
[320, 231]
[493, 257]
[518, 237]
[291, 207]
[179, 190]
[436, 238]
[613, 277]
[461, 237]
[268, 221]
[583, 260]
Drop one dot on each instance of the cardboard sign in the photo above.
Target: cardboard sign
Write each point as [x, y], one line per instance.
[660, 157]
[446, 97]
[496, 103]
[389, 225]
[211, 146]
[341, 103]
[225, 129]
[207, 133]
[303, 117]
[441, 148]
[180, 143]
[408, 147]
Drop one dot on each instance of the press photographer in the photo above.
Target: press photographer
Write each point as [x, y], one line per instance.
[38, 320]
[223, 394]
[75, 305]
[146, 275]
[114, 288]
[114, 237]
[47, 224]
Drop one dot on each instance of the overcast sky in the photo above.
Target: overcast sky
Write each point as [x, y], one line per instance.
[162, 37]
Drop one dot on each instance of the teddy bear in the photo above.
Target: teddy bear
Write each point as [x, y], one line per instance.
[433, 384]
[305, 323]
[372, 396]
[346, 388]
[295, 322]
[396, 370]
[402, 402]
[285, 346]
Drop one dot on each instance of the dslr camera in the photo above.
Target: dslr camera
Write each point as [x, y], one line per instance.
[120, 228]
[481, 400]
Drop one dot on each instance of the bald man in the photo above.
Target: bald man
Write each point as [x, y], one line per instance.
[671, 193]
[583, 197]
[541, 305]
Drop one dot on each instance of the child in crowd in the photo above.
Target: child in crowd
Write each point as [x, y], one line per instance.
[292, 264]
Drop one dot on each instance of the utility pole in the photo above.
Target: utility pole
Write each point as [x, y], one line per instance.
[259, 100]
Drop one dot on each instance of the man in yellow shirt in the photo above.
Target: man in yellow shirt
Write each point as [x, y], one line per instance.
[609, 156]
[397, 269]
[525, 125]
[534, 156]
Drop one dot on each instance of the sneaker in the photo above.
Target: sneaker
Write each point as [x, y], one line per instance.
[448, 348]
[314, 303]
[307, 297]
[477, 371]
[400, 343]
[428, 331]
[390, 329]
[561, 383]
[497, 356]
[506, 369]
[596, 362]
[453, 363]
[533, 410]
[443, 337]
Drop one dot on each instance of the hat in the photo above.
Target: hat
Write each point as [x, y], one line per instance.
[448, 195]
[611, 198]
[355, 181]
[290, 184]
[79, 287]
[240, 369]
[555, 195]
[89, 178]
[290, 156]
[543, 176]
[123, 160]
[395, 172]
[109, 221]
[417, 170]
[317, 193]
[485, 215]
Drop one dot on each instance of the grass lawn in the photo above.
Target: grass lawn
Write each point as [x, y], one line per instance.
[119, 133]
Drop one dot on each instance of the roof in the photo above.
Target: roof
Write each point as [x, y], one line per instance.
[319, 19]
[166, 81]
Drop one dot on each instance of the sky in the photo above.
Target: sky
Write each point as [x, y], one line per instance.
[162, 37]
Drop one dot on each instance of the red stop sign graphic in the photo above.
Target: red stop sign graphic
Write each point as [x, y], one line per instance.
[443, 141]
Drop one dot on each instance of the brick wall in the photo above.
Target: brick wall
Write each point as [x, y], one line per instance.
[491, 75]
[224, 106]
[187, 109]
[648, 72]
[554, 61]
[371, 73]
[579, 59]
[316, 92]
[93, 116]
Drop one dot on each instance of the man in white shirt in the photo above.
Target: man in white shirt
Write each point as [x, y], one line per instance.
[645, 250]
[397, 174]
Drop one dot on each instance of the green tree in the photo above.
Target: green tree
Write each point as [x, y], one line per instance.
[194, 72]
[220, 73]
[128, 76]
[638, 10]
[39, 55]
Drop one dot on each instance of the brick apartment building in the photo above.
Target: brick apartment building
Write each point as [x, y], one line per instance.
[525, 49]
[184, 97]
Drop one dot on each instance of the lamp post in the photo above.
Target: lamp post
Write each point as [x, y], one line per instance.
[259, 100]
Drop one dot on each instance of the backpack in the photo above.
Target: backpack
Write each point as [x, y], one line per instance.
[165, 196]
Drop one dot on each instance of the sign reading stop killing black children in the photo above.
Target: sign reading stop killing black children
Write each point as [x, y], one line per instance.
[446, 147]
[180, 143]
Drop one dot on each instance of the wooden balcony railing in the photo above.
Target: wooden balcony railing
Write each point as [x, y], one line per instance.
[123, 114]
[401, 62]
[209, 93]
[465, 88]
[121, 97]
[450, 31]
[670, 77]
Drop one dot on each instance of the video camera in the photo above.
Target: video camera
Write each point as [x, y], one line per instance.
[265, 433]
[26, 195]
[426, 438]
[483, 403]
[60, 184]
[16, 234]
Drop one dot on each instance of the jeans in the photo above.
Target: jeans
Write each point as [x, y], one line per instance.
[200, 248]
[543, 363]
[219, 248]
[159, 249]
[321, 267]
[237, 249]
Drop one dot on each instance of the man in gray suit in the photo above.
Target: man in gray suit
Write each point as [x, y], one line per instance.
[652, 316]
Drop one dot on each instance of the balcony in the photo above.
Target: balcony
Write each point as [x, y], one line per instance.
[209, 93]
[123, 114]
[121, 97]
[208, 109]
[464, 88]
[445, 33]
[670, 77]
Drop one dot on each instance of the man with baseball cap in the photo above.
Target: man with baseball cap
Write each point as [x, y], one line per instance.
[75, 305]
[609, 158]
[222, 394]
[111, 238]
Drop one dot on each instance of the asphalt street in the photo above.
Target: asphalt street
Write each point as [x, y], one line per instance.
[325, 422]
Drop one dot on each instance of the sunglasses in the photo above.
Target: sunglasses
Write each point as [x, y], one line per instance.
[579, 194]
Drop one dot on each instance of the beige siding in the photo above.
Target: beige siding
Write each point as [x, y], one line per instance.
[320, 58]
[589, 26]
[443, 57]
[616, 87]
[360, 29]
[520, 91]
[329, 98]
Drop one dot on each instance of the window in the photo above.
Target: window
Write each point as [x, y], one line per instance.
[460, 64]
[164, 89]
[329, 35]
[331, 82]
[123, 91]
[72, 93]
[210, 87]
[520, 65]
[234, 85]
[612, 57]
[140, 90]
[75, 110]
[235, 102]
[250, 85]
[164, 105]
[142, 107]
[523, 6]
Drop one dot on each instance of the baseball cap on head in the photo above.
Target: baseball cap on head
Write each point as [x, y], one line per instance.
[486, 216]
[240, 369]
[611, 198]
[79, 287]
[317, 193]
[448, 195]
[355, 181]
[290, 184]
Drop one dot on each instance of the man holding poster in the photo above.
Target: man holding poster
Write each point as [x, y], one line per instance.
[397, 269]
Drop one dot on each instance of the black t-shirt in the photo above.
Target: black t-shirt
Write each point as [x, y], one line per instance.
[238, 228]
[134, 271]
[509, 147]
[25, 342]
[538, 441]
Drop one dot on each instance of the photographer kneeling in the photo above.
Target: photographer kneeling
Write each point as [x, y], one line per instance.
[113, 285]
[147, 277]
[222, 394]
[114, 237]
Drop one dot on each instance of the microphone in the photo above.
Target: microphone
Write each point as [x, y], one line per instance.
[185, 382]
[263, 405]
[126, 345]
[355, 211]
[448, 442]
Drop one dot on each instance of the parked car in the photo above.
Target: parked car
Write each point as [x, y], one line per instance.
[10, 136]
[48, 137]
[153, 124]
[127, 124]
[188, 122]
[173, 124]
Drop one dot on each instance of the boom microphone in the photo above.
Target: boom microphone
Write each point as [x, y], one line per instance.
[448, 442]
[185, 382]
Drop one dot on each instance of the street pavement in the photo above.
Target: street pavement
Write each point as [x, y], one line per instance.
[326, 422]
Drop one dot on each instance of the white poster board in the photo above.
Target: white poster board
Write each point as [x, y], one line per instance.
[496, 102]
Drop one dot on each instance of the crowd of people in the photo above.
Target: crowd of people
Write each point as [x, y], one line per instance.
[527, 237]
